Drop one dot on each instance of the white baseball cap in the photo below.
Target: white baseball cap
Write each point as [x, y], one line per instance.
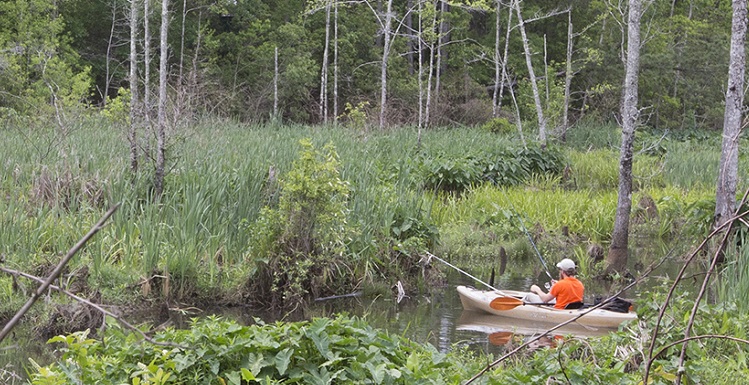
[566, 264]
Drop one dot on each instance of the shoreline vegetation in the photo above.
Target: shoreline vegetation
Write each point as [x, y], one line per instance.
[274, 216]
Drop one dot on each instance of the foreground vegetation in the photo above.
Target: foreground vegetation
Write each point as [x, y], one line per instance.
[274, 215]
[347, 350]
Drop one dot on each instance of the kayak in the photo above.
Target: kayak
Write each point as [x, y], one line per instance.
[483, 322]
[481, 300]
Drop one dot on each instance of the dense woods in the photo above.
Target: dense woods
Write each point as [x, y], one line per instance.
[431, 63]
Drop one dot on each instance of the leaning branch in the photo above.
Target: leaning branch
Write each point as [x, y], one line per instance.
[55, 273]
[95, 306]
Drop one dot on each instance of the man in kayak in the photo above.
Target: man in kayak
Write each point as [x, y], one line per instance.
[567, 290]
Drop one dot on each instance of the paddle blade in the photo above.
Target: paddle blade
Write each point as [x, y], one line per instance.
[505, 303]
[500, 338]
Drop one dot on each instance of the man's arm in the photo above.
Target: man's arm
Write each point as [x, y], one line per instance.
[545, 297]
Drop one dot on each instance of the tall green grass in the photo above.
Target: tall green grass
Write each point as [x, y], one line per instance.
[221, 174]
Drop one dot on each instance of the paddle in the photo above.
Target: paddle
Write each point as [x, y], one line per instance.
[500, 338]
[509, 303]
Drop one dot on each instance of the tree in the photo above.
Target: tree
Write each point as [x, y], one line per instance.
[616, 260]
[161, 129]
[133, 78]
[725, 197]
[39, 74]
[384, 66]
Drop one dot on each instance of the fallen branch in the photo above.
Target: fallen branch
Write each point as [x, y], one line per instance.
[55, 273]
[95, 306]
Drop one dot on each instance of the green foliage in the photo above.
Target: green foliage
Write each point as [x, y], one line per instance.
[499, 126]
[117, 110]
[37, 65]
[301, 244]
[213, 350]
[355, 116]
[501, 166]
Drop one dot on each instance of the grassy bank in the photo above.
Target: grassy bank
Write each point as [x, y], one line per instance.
[404, 198]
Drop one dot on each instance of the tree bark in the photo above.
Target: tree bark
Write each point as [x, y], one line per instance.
[532, 76]
[335, 62]
[147, 62]
[567, 79]
[616, 260]
[161, 132]
[384, 68]
[132, 133]
[324, 71]
[725, 197]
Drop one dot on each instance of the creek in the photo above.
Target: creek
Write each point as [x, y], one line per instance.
[436, 318]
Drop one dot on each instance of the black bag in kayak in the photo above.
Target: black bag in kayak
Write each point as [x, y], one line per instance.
[616, 304]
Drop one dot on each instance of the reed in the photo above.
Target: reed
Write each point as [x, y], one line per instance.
[222, 174]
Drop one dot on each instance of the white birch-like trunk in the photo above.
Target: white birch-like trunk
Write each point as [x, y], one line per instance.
[132, 133]
[725, 196]
[567, 79]
[108, 59]
[275, 84]
[532, 76]
[383, 69]
[324, 71]
[616, 260]
[497, 69]
[430, 73]
[420, 48]
[335, 63]
[505, 76]
[147, 62]
[161, 131]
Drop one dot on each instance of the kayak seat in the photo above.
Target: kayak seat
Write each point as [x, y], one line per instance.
[574, 305]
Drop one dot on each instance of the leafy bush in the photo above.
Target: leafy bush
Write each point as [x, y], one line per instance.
[300, 245]
[213, 351]
[498, 126]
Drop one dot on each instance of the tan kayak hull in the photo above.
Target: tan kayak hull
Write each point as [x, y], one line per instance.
[479, 300]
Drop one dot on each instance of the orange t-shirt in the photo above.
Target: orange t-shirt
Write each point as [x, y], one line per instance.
[566, 291]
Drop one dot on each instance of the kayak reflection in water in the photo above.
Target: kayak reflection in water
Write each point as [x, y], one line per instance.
[566, 293]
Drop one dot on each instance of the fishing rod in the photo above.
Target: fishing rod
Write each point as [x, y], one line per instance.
[522, 225]
[461, 271]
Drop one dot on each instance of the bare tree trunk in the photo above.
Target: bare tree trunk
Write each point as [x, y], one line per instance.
[505, 76]
[497, 69]
[335, 63]
[132, 134]
[616, 260]
[108, 59]
[147, 62]
[161, 132]
[725, 197]
[182, 43]
[275, 85]
[532, 75]
[383, 72]
[324, 72]
[410, 45]
[420, 47]
[430, 73]
[441, 66]
[567, 79]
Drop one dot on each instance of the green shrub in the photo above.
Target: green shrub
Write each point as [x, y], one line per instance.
[217, 351]
[498, 126]
[300, 245]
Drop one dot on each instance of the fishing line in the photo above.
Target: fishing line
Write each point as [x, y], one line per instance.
[522, 225]
[461, 271]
